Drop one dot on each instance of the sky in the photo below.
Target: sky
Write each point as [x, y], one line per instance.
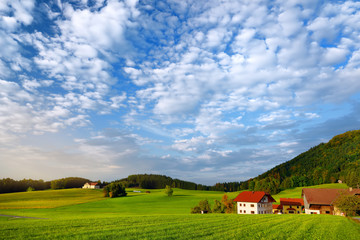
[204, 91]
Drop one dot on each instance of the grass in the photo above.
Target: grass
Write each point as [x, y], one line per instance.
[211, 226]
[48, 198]
[85, 214]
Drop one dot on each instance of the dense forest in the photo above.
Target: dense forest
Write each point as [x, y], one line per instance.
[339, 159]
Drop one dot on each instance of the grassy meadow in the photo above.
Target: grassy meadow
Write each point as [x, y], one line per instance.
[85, 214]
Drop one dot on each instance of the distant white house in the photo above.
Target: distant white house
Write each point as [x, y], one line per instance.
[254, 202]
[91, 185]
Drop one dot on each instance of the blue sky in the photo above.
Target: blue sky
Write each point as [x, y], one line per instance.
[205, 91]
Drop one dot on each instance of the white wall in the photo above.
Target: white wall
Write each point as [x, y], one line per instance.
[256, 208]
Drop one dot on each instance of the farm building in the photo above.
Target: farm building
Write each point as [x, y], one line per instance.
[320, 200]
[92, 185]
[289, 206]
[254, 202]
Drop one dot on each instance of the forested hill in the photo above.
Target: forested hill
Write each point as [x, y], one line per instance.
[154, 181]
[339, 159]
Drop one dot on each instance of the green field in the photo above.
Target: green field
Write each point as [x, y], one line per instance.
[85, 214]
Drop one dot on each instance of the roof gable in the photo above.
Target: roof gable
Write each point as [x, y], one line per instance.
[253, 196]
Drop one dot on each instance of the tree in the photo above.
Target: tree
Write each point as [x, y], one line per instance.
[168, 190]
[228, 204]
[218, 207]
[114, 189]
[58, 184]
[348, 204]
[203, 206]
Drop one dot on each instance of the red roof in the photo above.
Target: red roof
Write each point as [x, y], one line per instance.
[93, 183]
[277, 206]
[292, 201]
[251, 196]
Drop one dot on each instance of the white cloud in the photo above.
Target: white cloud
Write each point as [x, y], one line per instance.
[206, 80]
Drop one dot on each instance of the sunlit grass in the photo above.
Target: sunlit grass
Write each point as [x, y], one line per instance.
[86, 214]
[211, 226]
[48, 198]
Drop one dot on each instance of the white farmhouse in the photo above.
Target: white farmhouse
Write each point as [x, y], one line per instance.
[254, 202]
[92, 185]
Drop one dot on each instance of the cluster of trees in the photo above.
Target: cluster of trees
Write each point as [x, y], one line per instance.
[69, 182]
[8, 185]
[226, 205]
[114, 189]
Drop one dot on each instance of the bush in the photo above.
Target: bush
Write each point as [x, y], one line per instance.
[203, 206]
[113, 190]
[30, 189]
[196, 209]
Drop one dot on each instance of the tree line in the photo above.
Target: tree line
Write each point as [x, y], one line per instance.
[8, 185]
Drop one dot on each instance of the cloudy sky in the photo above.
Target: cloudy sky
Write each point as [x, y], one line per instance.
[205, 91]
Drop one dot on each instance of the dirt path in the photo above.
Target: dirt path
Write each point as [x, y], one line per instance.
[12, 216]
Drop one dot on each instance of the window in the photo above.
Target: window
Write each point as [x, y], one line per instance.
[244, 211]
[244, 205]
[327, 212]
[240, 211]
[297, 206]
[252, 212]
[251, 205]
[240, 204]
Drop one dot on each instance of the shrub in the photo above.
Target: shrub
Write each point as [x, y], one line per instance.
[30, 189]
[196, 209]
[202, 206]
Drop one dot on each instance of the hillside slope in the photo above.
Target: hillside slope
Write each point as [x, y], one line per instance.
[339, 159]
